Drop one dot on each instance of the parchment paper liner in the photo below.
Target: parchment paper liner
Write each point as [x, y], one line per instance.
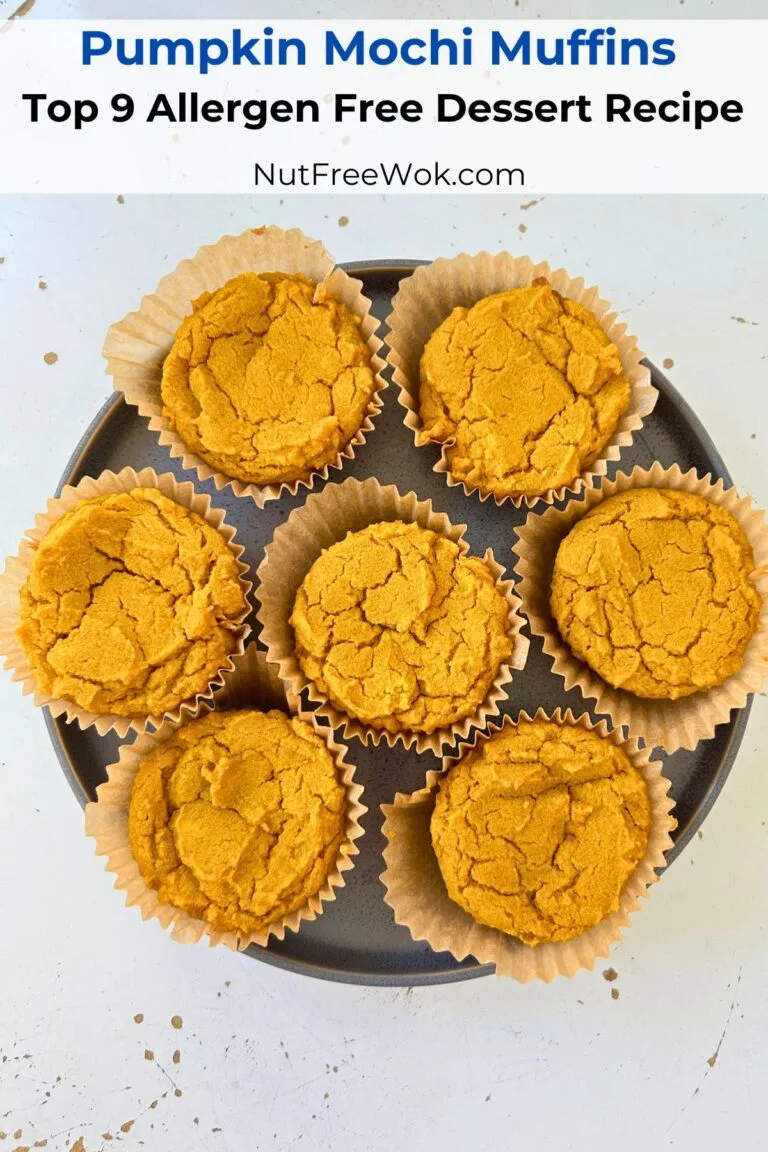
[670, 724]
[17, 569]
[416, 892]
[253, 684]
[325, 518]
[427, 297]
[136, 346]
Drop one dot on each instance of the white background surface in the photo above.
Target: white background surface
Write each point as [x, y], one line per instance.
[273, 1061]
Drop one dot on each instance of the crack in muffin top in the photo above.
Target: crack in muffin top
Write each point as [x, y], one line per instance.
[652, 590]
[266, 383]
[538, 829]
[132, 605]
[238, 818]
[399, 629]
[524, 388]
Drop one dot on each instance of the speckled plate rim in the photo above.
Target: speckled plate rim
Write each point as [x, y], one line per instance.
[468, 969]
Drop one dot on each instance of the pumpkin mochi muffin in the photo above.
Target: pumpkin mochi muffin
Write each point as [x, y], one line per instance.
[652, 590]
[399, 629]
[132, 605]
[538, 829]
[525, 390]
[238, 818]
[265, 382]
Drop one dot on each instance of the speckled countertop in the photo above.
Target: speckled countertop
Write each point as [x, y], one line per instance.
[113, 1035]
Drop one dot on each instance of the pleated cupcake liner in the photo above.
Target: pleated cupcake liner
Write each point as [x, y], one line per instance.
[253, 684]
[670, 724]
[136, 346]
[416, 892]
[427, 297]
[17, 570]
[325, 519]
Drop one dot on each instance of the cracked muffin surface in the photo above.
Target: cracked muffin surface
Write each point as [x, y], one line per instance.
[652, 590]
[538, 829]
[399, 629]
[132, 605]
[524, 388]
[238, 818]
[266, 383]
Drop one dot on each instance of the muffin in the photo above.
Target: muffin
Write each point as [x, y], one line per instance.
[266, 382]
[238, 818]
[538, 830]
[524, 389]
[399, 629]
[132, 605]
[652, 590]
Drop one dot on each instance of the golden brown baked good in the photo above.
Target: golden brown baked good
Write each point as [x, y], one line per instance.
[132, 605]
[652, 590]
[238, 818]
[400, 630]
[524, 388]
[265, 382]
[538, 829]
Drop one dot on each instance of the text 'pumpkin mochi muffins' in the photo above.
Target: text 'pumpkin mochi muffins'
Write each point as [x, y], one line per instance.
[538, 829]
[652, 590]
[399, 629]
[269, 378]
[238, 818]
[524, 388]
[132, 605]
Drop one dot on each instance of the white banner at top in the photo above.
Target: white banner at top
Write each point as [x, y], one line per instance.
[384, 106]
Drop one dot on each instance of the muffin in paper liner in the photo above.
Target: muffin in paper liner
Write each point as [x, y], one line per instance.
[253, 684]
[325, 519]
[670, 724]
[17, 570]
[427, 297]
[136, 346]
[416, 893]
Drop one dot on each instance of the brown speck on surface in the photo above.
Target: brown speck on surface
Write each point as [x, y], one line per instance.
[712, 1060]
[343, 221]
[614, 993]
[138, 1018]
[610, 974]
[2, 259]
[530, 204]
[121, 199]
[51, 357]
[79, 1145]
[153, 1104]
[148, 1054]
[668, 363]
[39, 1143]
[742, 320]
[215, 1129]
[177, 1092]
[176, 1021]
[176, 1057]
[22, 10]
[42, 285]
[106, 1136]
[522, 228]
[127, 1126]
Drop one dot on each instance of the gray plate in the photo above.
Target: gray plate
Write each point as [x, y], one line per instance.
[355, 940]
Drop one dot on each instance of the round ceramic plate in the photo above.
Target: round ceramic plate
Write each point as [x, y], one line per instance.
[355, 940]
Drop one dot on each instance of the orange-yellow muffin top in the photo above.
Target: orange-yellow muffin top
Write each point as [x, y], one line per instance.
[238, 818]
[266, 382]
[399, 629]
[652, 590]
[132, 605]
[524, 388]
[538, 830]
